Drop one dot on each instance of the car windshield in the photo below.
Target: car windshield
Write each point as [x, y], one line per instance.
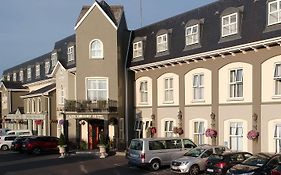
[196, 152]
[255, 161]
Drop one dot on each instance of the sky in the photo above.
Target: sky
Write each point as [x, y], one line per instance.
[29, 28]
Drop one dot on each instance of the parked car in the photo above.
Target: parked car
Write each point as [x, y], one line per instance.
[277, 170]
[37, 145]
[220, 163]
[20, 132]
[3, 131]
[6, 141]
[259, 164]
[194, 161]
[155, 152]
[17, 143]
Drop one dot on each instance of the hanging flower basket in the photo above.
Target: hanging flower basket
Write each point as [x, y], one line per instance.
[153, 130]
[38, 122]
[82, 122]
[211, 133]
[253, 134]
[61, 122]
[178, 130]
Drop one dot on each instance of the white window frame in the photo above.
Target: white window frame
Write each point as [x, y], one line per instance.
[144, 92]
[96, 90]
[29, 74]
[54, 59]
[21, 75]
[168, 128]
[93, 50]
[200, 134]
[39, 105]
[236, 135]
[137, 49]
[277, 138]
[277, 79]
[169, 90]
[37, 70]
[277, 11]
[14, 76]
[47, 67]
[162, 43]
[198, 86]
[33, 106]
[70, 53]
[229, 24]
[28, 106]
[192, 35]
[235, 84]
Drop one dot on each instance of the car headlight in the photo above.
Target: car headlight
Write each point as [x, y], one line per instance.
[184, 163]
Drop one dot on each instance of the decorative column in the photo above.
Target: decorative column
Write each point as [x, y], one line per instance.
[213, 125]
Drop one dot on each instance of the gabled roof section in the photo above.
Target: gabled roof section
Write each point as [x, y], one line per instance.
[56, 68]
[16, 86]
[40, 92]
[113, 13]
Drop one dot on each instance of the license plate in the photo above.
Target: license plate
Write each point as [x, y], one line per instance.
[210, 170]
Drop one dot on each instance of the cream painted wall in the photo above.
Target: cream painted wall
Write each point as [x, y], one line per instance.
[167, 113]
[161, 86]
[149, 89]
[207, 87]
[144, 112]
[224, 74]
[268, 87]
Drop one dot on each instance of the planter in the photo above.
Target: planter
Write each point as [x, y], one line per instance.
[102, 151]
[62, 151]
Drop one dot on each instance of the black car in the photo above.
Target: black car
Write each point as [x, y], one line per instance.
[259, 164]
[220, 163]
[17, 144]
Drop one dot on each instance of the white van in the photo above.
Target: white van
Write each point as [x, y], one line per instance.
[156, 152]
[20, 132]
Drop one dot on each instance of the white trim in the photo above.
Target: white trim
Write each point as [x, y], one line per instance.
[88, 12]
[40, 82]
[36, 95]
[278, 12]
[229, 24]
[192, 35]
[55, 69]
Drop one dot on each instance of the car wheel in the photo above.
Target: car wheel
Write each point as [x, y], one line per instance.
[194, 170]
[4, 147]
[36, 151]
[155, 165]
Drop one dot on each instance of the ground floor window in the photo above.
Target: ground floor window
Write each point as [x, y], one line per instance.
[198, 136]
[142, 128]
[168, 129]
[236, 136]
[277, 138]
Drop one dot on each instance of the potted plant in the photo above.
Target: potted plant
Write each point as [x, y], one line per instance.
[62, 145]
[102, 144]
[253, 134]
[211, 133]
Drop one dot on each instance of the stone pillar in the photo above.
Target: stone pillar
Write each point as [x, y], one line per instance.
[39, 127]
[44, 127]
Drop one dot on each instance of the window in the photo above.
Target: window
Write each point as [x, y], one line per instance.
[70, 53]
[97, 89]
[39, 104]
[198, 87]
[277, 138]
[199, 132]
[96, 49]
[274, 12]
[37, 73]
[54, 59]
[14, 76]
[47, 67]
[192, 35]
[137, 49]
[162, 43]
[138, 129]
[33, 106]
[29, 73]
[168, 129]
[168, 90]
[61, 95]
[236, 83]
[143, 92]
[21, 76]
[277, 79]
[8, 77]
[236, 136]
[229, 24]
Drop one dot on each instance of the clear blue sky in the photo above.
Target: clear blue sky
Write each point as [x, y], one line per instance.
[29, 28]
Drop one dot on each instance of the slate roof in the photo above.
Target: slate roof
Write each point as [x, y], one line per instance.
[41, 91]
[14, 85]
[253, 28]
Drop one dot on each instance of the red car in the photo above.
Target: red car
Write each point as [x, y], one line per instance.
[276, 170]
[37, 145]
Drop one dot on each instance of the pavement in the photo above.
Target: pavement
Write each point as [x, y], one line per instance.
[95, 152]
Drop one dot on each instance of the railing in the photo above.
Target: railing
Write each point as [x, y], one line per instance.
[90, 106]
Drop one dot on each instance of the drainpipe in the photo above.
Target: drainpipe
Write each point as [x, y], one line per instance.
[49, 116]
[10, 101]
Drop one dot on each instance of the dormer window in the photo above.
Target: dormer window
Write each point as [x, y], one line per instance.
[137, 49]
[21, 75]
[8, 77]
[14, 76]
[274, 12]
[229, 24]
[192, 35]
[96, 49]
[54, 59]
[162, 43]
[70, 53]
[47, 67]
[37, 71]
[29, 73]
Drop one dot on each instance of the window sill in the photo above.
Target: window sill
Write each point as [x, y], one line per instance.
[136, 59]
[96, 58]
[143, 103]
[272, 27]
[168, 102]
[276, 97]
[230, 38]
[192, 46]
[162, 53]
[198, 101]
[236, 99]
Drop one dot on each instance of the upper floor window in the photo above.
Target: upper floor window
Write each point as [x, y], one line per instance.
[8, 77]
[54, 59]
[192, 34]
[143, 92]
[14, 76]
[97, 89]
[274, 12]
[137, 49]
[236, 83]
[162, 43]
[29, 73]
[168, 90]
[47, 67]
[37, 70]
[70, 53]
[21, 75]
[96, 49]
[229, 24]
[277, 79]
[198, 86]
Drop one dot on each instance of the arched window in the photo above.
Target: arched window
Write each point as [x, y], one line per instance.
[96, 49]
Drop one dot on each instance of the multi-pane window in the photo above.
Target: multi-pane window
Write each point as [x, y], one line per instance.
[96, 49]
[33, 106]
[54, 59]
[168, 128]
[37, 70]
[198, 87]
[137, 49]
[162, 43]
[47, 67]
[21, 75]
[143, 92]
[39, 105]
[29, 73]
[168, 90]
[199, 132]
[70, 53]
[274, 12]
[192, 35]
[236, 83]
[229, 24]
[277, 138]
[277, 79]
[138, 129]
[236, 136]
[14, 76]
[8, 77]
[97, 89]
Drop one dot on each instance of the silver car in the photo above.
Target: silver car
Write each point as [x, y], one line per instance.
[194, 161]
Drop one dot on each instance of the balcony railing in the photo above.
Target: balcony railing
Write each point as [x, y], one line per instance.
[90, 106]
